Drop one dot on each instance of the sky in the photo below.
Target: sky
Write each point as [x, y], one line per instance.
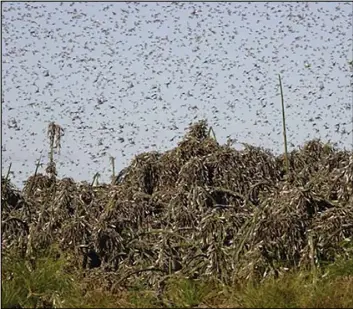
[126, 78]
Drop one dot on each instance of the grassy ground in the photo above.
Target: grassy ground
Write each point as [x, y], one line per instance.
[49, 280]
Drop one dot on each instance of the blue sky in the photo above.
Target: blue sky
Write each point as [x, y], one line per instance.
[125, 78]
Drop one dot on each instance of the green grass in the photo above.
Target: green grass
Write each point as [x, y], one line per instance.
[297, 291]
[49, 280]
[186, 293]
[36, 283]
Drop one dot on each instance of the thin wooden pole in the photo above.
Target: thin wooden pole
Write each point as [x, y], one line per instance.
[284, 126]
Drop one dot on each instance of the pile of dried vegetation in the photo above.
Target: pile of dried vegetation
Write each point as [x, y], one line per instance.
[200, 209]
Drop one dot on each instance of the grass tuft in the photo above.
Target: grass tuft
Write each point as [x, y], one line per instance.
[41, 281]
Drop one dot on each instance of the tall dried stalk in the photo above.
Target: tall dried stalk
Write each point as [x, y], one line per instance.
[112, 161]
[35, 174]
[284, 126]
[95, 179]
[54, 136]
[8, 172]
[213, 133]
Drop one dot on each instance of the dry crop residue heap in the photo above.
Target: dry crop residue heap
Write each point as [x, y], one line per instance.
[200, 209]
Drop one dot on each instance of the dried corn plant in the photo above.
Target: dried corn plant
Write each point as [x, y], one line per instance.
[200, 209]
[54, 134]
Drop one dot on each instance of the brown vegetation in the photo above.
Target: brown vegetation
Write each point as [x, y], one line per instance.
[200, 210]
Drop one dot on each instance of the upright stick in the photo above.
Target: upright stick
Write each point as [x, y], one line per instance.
[112, 161]
[8, 172]
[284, 125]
